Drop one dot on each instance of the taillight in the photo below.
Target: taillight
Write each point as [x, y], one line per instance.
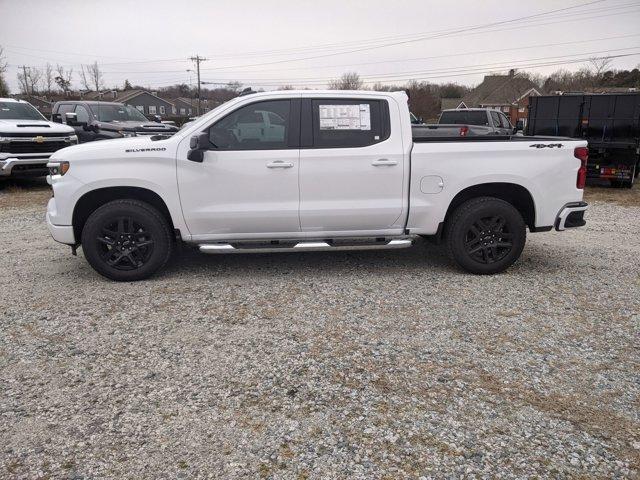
[464, 131]
[581, 153]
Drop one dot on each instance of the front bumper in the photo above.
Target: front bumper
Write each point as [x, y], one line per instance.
[571, 216]
[60, 233]
[24, 167]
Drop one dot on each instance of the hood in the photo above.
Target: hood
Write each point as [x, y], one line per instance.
[133, 126]
[133, 147]
[37, 127]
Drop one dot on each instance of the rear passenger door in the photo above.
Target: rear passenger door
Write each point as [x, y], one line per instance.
[352, 167]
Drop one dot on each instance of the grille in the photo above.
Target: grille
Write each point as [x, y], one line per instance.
[32, 147]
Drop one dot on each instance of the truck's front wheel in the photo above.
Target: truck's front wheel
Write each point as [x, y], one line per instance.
[127, 240]
[485, 235]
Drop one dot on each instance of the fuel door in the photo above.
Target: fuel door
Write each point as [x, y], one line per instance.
[431, 184]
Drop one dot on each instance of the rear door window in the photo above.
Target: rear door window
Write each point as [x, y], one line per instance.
[496, 119]
[346, 123]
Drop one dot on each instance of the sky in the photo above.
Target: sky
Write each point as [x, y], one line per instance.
[306, 43]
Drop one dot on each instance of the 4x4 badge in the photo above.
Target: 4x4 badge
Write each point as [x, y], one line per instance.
[546, 145]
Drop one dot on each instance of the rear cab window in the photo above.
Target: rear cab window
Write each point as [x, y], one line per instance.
[462, 117]
[344, 122]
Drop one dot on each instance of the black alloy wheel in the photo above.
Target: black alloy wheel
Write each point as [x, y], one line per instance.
[127, 240]
[488, 239]
[124, 244]
[485, 235]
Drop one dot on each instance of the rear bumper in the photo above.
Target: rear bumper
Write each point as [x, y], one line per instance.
[571, 216]
[60, 233]
[24, 167]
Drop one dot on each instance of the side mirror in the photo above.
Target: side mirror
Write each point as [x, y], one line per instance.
[71, 119]
[519, 126]
[198, 144]
[420, 119]
[56, 117]
[157, 118]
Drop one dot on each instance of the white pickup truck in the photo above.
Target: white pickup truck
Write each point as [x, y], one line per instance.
[340, 171]
[27, 139]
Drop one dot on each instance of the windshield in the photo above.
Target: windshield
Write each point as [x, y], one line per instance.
[117, 113]
[19, 111]
[462, 117]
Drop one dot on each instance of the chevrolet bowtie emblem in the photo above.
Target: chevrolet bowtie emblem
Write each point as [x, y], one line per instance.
[39, 139]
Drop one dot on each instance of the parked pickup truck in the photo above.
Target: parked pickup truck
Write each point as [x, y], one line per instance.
[105, 120]
[467, 122]
[27, 139]
[344, 173]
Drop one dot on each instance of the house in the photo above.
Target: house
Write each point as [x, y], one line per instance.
[451, 103]
[147, 102]
[507, 93]
[185, 107]
[188, 107]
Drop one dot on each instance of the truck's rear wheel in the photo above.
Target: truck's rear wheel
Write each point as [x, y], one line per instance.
[127, 240]
[485, 235]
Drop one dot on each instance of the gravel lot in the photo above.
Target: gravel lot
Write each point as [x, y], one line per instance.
[320, 365]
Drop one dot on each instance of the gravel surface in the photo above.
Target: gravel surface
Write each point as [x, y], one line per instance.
[319, 365]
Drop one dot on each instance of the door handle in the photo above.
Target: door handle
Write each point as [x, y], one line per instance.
[279, 164]
[384, 162]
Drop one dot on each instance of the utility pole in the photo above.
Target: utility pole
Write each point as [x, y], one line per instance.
[197, 59]
[26, 79]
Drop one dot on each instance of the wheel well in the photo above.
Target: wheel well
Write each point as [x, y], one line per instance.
[516, 195]
[94, 199]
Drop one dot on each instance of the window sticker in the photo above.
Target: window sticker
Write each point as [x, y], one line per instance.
[345, 117]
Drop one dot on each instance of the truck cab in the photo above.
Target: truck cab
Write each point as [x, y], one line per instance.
[27, 139]
[106, 120]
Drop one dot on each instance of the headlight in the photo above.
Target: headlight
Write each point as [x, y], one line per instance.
[58, 168]
[127, 134]
[73, 139]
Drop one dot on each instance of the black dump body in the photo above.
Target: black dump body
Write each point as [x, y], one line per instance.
[609, 122]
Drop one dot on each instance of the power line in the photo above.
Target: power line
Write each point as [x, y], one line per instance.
[276, 62]
[407, 38]
[472, 69]
[431, 57]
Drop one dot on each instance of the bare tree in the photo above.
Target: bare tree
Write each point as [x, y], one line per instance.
[599, 65]
[4, 88]
[29, 79]
[48, 78]
[95, 76]
[595, 72]
[348, 81]
[63, 78]
[84, 78]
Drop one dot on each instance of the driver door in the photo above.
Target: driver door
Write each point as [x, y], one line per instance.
[247, 185]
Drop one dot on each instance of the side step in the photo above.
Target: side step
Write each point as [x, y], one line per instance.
[303, 247]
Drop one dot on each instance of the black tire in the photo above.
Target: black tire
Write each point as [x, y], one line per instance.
[127, 240]
[485, 235]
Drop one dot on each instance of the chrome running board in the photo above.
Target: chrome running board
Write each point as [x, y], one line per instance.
[218, 248]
